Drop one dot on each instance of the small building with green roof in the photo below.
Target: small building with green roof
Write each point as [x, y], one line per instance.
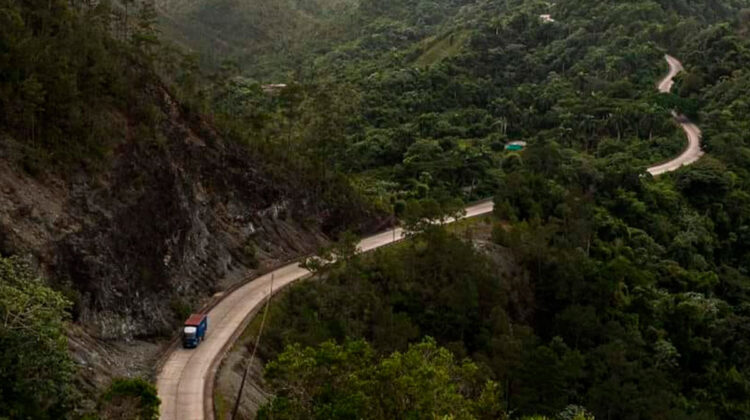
[515, 146]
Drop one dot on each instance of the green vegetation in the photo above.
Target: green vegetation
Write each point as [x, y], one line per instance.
[428, 286]
[250, 252]
[36, 371]
[268, 35]
[68, 84]
[86, 89]
[35, 368]
[449, 45]
[348, 381]
[498, 73]
[278, 41]
[130, 399]
[220, 405]
[635, 298]
[629, 294]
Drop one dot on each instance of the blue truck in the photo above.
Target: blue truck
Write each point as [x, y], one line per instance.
[194, 330]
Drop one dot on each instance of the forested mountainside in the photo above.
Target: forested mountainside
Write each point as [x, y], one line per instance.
[134, 206]
[610, 292]
[139, 179]
[411, 106]
[269, 40]
[269, 37]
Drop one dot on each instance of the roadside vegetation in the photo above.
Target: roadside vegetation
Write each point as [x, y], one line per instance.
[35, 368]
[80, 83]
[37, 373]
[628, 295]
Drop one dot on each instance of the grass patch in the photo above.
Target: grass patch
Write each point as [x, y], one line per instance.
[438, 49]
[468, 226]
[220, 405]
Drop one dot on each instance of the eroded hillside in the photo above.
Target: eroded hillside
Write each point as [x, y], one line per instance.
[130, 202]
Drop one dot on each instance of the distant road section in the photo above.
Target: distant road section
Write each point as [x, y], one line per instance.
[675, 67]
[184, 378]
[693, 151]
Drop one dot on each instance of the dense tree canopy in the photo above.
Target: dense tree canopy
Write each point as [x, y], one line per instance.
[348, 381]
[636, 301]
[628, 294]
[35, 368]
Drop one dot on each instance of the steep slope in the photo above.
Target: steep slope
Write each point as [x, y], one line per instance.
[187, 377]
[262, 35]
[163, 218]
[615, 257]
[254, 394]
[282, 39]
[142, 243]
[140, 223]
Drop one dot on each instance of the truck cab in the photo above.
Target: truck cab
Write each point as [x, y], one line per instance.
[194, 330]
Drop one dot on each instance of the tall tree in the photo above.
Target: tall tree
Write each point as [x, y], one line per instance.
[35, 368]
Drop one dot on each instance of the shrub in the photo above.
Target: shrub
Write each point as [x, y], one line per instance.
[128, 398]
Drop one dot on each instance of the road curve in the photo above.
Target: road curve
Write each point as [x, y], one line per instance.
[675, 67]
[693, 152]
[183, 379]
[186, 375]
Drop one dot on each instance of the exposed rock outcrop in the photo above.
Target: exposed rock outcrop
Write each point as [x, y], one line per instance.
[166, 223]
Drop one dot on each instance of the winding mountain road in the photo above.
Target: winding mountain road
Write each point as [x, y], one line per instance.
[693, 152]
[186, 378]
[183, 380]
[675, 67]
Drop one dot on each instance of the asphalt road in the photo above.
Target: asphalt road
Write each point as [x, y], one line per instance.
[182, 381]
[693, 151]
[184, 377]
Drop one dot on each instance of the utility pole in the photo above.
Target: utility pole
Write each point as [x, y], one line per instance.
[252, 355]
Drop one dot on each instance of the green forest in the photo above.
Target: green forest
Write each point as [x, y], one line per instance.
[596, 289]
[634, 303]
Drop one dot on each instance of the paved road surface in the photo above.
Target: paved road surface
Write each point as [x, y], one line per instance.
[665, 86]
[693, 151]
[183, 378]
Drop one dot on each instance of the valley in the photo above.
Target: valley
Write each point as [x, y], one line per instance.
[185, 383]
[162, 158]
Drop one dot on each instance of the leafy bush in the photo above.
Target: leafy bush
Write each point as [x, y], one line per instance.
[250, 253]
[35, 368]
[333, 381]
[135, 399]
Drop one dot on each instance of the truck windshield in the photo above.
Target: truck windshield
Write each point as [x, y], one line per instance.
[190, 332]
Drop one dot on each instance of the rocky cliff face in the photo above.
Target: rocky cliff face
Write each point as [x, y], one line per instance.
[167, 223]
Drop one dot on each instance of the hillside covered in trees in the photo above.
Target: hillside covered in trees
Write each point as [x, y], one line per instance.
[418, 96]
[139, 178]
[124, 207]
[629, 293]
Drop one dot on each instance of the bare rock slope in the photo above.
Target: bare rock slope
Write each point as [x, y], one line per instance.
[164, 224]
